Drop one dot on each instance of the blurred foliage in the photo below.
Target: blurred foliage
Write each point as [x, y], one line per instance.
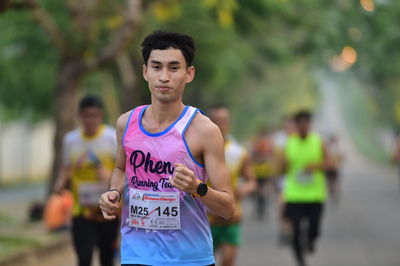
[255, 56]
[375, 36]
[363, 118]
[29, 63]
[27, 67]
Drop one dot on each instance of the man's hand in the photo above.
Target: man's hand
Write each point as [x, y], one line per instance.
[62, 179]
[109, 204]
[184, 179]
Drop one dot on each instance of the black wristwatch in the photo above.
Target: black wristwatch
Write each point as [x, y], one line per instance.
[201, 190]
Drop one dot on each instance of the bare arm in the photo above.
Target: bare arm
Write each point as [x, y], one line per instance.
[62, 178]
[65, 171]
[103, 174]
[247, 173]
[109, 200]
[219, 198]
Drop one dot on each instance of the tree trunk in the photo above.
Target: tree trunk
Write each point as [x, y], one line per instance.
[131, 95]
[65, 110]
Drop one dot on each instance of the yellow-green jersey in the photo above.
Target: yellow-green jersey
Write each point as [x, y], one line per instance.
[84, 155]
[302, 187]
[266, 168]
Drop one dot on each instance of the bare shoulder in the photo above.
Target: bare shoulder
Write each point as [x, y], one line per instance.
[204, 138]
[122, 120]
[205, 131]
[203, 126]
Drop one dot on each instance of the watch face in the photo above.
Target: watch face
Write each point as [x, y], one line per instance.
[202, 189]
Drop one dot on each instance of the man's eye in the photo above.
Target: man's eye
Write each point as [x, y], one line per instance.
[174, 68]
[156, 67]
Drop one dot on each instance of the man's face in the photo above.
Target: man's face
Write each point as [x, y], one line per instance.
[91, 118]
[303, 126]
[290, 127]
[167, 74]
[221, 117]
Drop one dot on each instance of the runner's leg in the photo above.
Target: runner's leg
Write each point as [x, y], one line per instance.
[84, 239]
[229, 254]
[294, 213]
[314, 215]
[107, 235]
[260, 199]
[230, 244]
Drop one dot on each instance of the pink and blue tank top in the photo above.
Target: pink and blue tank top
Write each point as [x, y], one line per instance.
[150, 161]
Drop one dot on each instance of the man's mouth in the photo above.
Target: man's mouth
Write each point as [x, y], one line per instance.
[163, 88]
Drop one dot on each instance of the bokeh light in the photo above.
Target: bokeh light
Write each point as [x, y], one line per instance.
[345, 60]
[349, 54]
[368, 5]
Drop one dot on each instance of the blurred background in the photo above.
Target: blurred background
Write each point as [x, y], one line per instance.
[264, 59]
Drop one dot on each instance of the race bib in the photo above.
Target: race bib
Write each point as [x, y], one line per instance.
[154, 210]
[304, 177]
[89, 193]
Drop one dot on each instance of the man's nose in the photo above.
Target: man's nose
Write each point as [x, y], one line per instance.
[164, 76]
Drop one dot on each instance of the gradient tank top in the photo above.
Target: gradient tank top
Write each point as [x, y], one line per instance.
[152, 206]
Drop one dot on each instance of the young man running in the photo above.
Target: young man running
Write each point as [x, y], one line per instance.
[226, 233]
[305, 160]
[265, 165]
[89, 158]
[166, 151]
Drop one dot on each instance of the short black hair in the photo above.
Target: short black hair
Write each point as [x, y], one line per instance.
[162, 40]
[302, 115]
[90, 101]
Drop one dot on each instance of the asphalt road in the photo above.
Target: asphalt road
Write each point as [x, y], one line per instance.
[363, 230]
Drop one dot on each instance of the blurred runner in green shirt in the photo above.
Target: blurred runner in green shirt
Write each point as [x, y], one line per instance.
[304, 191]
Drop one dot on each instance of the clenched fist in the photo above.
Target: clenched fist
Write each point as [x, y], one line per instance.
[184, 179]
[109, 204]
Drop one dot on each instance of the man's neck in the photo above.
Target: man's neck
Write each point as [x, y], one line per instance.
[162, 113]
[91, 134]
[303, 135]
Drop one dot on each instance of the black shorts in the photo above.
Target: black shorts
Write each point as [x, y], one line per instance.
[297, 210]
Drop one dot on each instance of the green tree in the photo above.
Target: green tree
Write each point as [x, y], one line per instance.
[75, 38]
[85, 37]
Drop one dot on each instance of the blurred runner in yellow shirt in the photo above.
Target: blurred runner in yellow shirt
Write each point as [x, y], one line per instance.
[226, 233]
[264, 163]
[88, 159]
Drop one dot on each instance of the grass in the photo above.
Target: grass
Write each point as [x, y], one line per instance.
[15, 236]
[10, 245]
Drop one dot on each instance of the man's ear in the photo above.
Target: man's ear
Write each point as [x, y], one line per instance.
[145, 72]
[190, 72]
